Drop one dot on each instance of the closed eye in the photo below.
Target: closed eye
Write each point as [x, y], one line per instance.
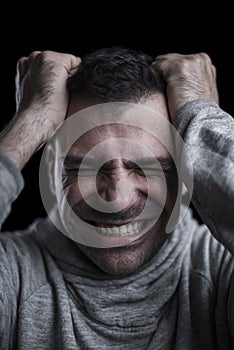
[148, 171]
[83, 171]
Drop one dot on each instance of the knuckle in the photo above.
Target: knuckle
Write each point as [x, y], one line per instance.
[204, 57]
[21, 62]
[51, 56]
[33, 54]
[45, 55]
[182, 63]
[194, 58]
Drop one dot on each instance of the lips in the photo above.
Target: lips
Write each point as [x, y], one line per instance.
[110, 235]
[120, 230]
[106, 230]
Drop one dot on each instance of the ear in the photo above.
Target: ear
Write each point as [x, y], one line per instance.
[50, 160]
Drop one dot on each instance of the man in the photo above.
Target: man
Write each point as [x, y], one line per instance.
[134, 291]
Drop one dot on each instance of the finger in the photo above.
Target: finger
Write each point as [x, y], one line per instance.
[168, 56]
[74, 65]
[159, 62]
[163, 67]
[70, 61]
[214, 71]
[33, 55]
[208, 65]
[22, 66]
[205, 57]
[75, 61]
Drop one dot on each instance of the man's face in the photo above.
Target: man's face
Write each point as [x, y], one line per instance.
[117, 174]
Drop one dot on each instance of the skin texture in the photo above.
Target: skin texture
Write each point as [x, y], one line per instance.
[188, 78]
[42, 107]
[127, 259]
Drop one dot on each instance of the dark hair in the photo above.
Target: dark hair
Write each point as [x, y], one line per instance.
[116, 74]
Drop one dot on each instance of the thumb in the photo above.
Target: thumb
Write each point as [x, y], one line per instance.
[74, 65]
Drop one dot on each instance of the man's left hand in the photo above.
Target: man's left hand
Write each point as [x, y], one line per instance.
[187, 78]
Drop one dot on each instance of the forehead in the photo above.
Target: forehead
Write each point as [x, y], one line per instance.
[118, 140]
[120, 128]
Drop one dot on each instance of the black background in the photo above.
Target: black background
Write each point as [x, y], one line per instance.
[77, 41]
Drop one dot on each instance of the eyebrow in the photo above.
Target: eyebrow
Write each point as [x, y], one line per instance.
[74, 161]
[166, 163]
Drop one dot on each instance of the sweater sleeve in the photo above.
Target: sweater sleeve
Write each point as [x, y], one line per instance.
[11, 184]
[208, 133]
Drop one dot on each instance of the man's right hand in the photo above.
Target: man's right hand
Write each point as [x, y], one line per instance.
[41, 102]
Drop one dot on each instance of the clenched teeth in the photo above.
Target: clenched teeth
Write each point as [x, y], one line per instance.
[124, 230]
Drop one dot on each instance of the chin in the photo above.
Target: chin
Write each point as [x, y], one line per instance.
[126, 260]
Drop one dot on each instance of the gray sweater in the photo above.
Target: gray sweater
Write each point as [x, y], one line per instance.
[53, 298]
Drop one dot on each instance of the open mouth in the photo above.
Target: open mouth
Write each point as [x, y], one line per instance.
[118, 230]
[106, 234]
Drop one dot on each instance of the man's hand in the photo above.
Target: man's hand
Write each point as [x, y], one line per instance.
[41, 102]
[187, 78]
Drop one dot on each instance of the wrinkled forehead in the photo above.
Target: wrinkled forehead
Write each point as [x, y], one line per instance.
[116, 129]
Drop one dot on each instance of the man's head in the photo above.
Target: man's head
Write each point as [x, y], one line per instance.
[116, 74]
[121, 75]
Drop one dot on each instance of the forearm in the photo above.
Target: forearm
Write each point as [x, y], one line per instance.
[41, 103]
[11, 184]
[208, 133]
[21, 138]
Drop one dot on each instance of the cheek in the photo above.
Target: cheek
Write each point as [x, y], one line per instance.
[157, 190]
[75, 193]
[164, 191]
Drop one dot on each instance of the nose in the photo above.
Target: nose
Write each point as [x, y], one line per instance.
[117, 189]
